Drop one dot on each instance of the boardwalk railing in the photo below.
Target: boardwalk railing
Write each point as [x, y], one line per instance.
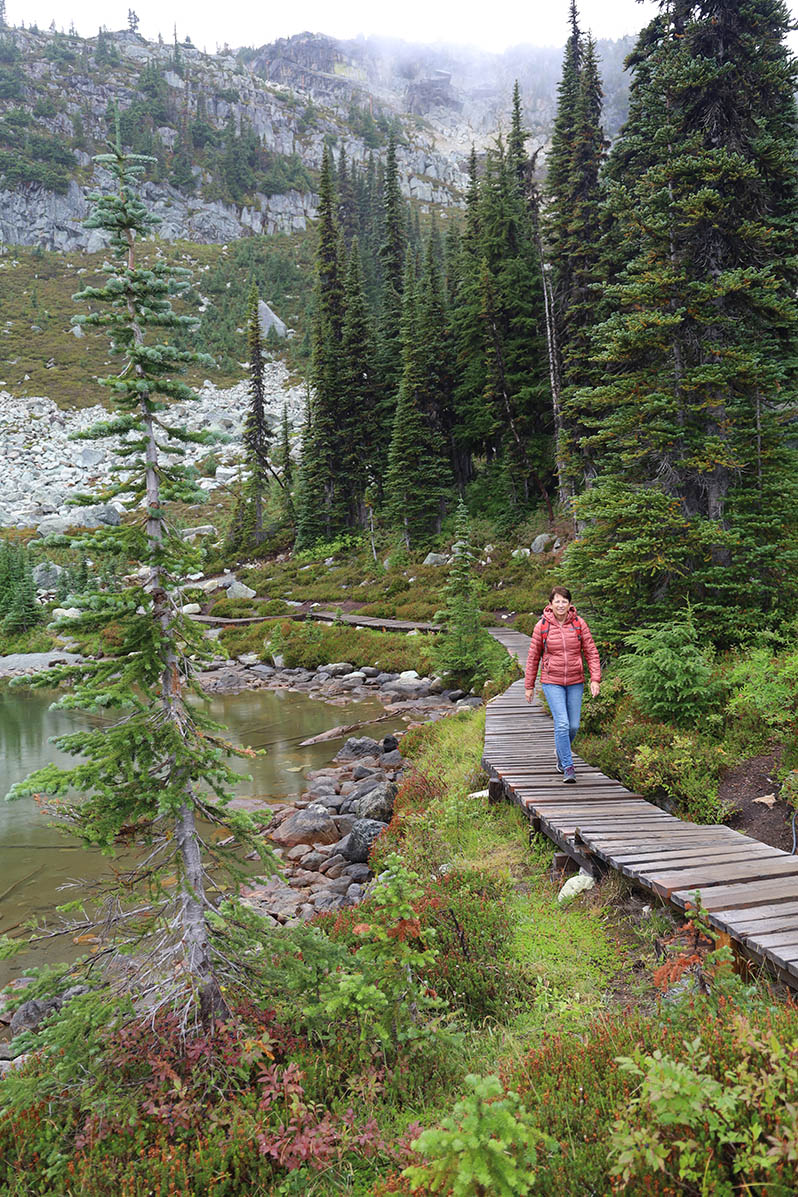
[749, 889]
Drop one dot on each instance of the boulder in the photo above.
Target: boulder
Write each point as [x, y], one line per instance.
[310, 826]
[201, 530]
[46, 575]
[360, 839]
[191, 609]
[344, 823]
[357, 746]
[542, 543]
[377, 804]
[389, 743]
[67, 613]
[30, 1014]
[337, 668]
[391, 760]
[357, 872]
[95, 516]
[268, 321]
[520, 553]
[238, 590]
[434, 559]
[324, 900]
[360, 771]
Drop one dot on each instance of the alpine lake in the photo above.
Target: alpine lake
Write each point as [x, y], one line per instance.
[42, 866]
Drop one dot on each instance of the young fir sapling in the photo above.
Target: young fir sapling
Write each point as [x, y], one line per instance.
[159, 766]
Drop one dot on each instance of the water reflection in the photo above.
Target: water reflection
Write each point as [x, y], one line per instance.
[36, 858]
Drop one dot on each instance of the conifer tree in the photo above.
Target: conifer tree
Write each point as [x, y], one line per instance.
[393, 245]
[391, 262]
[517, 418]
[362, 456]
[247, 525]
[417, 475]
[161, 764]
[516, 142]
[460, 646]
[572, 248]
[698, 356]
[317, 501]
[18, 593]
[286, 465]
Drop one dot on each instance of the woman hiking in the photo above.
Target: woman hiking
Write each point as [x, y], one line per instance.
[560, 638]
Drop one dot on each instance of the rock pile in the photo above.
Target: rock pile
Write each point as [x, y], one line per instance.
[339, 682]
[324, 838]
[43, 468]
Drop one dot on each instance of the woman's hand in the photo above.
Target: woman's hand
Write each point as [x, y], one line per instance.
[528, 695]
[594, 688]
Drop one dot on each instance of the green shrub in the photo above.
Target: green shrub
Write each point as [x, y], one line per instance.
[657, 759]
[309, 644]
[273, 607]
[765, 690]
[709, 1130]
[469, 912]
[235, 608]
[669, 674]
[486, 1146]
[575, 1091]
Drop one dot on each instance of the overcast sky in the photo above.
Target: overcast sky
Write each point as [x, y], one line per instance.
[491, 26]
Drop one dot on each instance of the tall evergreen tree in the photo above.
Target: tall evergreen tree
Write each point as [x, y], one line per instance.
[247, 525]
[394, 241]
[391, 261]
[571, 230]
[362, 454]
[417, 475]
[161, 765]
[699, 355]
[286, 465]
[517, 416]
[317, 501]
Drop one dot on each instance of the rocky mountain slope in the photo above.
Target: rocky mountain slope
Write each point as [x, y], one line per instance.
[236, 138]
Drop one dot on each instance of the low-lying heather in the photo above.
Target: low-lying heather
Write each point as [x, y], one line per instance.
[308, 644]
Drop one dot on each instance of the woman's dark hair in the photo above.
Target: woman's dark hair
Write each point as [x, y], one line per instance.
[563, 590]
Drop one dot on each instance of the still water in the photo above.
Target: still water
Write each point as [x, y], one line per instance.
[36, 859]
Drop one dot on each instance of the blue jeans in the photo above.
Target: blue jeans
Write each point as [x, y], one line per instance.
[565, 704]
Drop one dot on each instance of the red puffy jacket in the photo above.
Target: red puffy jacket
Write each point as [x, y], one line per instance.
[562, 658]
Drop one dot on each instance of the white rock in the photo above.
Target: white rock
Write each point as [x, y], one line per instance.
[578, 884]
[238, 590]
[191, 609]
[520, 553]
[67, 613]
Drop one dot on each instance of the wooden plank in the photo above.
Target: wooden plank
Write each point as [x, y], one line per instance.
[675, 835]
[636, 868]
[664, 854]
[739, 921]
[774, 939]
[750, 893]
[629, 871]
[710, 875]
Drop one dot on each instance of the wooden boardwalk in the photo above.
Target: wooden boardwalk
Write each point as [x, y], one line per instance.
[355, 620]
[749, 889]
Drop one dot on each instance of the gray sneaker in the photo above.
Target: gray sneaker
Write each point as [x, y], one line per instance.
[569, 775]
[557, 764]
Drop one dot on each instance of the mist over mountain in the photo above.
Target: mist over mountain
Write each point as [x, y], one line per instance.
[237, 136]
